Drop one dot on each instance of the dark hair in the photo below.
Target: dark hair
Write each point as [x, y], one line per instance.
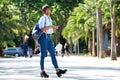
[45, 7]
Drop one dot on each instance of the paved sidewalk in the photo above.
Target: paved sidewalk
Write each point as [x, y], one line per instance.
[79, 68]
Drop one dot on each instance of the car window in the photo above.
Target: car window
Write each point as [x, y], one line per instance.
[11, 49]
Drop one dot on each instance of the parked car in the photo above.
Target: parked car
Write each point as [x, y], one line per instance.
[12, 51]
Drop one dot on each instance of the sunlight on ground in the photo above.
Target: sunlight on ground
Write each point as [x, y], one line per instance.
[79, 68]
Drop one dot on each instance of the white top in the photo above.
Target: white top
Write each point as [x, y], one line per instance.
[46, 21]
[58, 47]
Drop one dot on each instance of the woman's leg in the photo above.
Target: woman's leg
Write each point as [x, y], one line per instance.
[52, 54]
[43, 49]
[51, 49]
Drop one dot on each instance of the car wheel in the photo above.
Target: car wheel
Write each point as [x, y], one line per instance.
[16, 55]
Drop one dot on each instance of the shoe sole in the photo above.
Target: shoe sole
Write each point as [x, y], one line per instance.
[44, 76]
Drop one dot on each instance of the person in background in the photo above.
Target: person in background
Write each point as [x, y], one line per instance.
[66, 48]
[30, 51]
[24, 49]
[46, 43]
[58, 48]
[37, 49]
[24, 46]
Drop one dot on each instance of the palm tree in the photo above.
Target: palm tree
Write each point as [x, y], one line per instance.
[93, 43]
[100, 32]
[113, 27]
[80, 26]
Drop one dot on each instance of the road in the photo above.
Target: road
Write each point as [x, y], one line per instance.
[79, 68]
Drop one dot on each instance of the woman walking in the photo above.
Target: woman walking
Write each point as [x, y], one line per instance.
[46, 43]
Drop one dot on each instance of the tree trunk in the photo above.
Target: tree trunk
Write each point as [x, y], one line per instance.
[113, 25]
[90, 46]
[93, 43]
[1, 51]
[97, 40]
[99, 23]
[71, 46]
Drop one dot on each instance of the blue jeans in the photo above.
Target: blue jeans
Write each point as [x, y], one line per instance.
[46, 44]
[25, 53]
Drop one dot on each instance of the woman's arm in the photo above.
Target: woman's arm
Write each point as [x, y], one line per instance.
[50, 27]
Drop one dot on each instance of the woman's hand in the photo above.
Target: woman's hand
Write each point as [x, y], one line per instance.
[55, 27]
